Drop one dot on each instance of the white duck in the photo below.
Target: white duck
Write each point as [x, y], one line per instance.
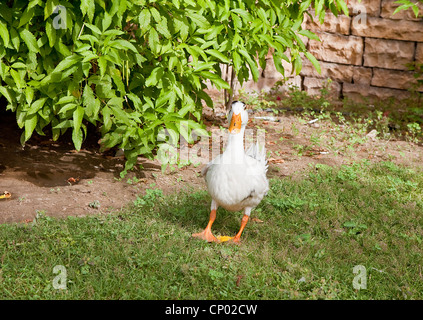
[236, 180]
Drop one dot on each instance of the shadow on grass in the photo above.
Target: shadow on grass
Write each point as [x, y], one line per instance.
[190, 210]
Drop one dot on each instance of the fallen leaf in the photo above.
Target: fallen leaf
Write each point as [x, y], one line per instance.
[224, 238]
[238, 280]
[5, 195]
[257, 220]
[72, 180]
[273, 160]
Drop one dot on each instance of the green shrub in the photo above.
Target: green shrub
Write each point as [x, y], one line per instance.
[133, 67]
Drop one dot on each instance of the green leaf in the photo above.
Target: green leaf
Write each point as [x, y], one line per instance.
[67, 63]
[64, 124]
[117, 79]
[314, 61]
[51, 33]
[4, 70]
[65, 99]
[77, 137]
[154, 77]
[319, 6]
[155, 13]
[153, 40]
[120, 114]
[107, 21]
[29, 94]
[20, 83]
[277, 59]
[144, 19]
[26, 17]
[62, 48]
[49, 8]
[67, 107]
[78, 115]
[220, 83]
[215, 53]
[162, 28]
[244, 14]
[136, 100]
[113, 32]
[30, 123]
[262, 14]
[123, 45]
[14, 36]
[102, 64]
[89, 100]
[93, 28]
[344, 7]
[298, 65]
[204, 66]
[6, 93]
[183, 29]
[305, 5]
[4, 33]
[88, 8]
[37, 105]
[30, 40]
[252, 64]
[416, 10]
[92, 39]
[309, 35]
[198, 19]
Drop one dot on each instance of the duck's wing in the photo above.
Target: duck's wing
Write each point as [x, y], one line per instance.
[208, 165]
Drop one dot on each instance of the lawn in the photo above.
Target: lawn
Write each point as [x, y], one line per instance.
[304, 241]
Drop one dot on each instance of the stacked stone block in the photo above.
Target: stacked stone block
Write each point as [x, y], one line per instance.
[365, 54]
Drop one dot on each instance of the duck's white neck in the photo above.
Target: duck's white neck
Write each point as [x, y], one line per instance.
[235, 147]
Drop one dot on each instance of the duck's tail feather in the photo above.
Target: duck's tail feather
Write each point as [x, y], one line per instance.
[258, 152]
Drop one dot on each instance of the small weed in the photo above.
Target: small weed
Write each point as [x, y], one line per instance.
[414, 132]
[354, 228]
[94, 204]
[151, 195]
[133, 180]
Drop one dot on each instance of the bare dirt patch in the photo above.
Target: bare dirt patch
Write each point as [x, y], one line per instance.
[53, 178]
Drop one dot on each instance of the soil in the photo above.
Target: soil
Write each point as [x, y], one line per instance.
[53, 178]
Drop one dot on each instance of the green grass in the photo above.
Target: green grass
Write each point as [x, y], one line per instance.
[316, 228]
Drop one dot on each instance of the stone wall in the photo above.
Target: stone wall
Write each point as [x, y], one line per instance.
[364, 54]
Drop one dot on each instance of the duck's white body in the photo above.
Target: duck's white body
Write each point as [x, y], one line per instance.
[236, 180]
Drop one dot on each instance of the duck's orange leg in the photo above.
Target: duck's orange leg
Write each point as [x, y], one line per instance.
[244, 221]
[206, 234]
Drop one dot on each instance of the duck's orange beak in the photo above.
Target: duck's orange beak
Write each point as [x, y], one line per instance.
[235, 125]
